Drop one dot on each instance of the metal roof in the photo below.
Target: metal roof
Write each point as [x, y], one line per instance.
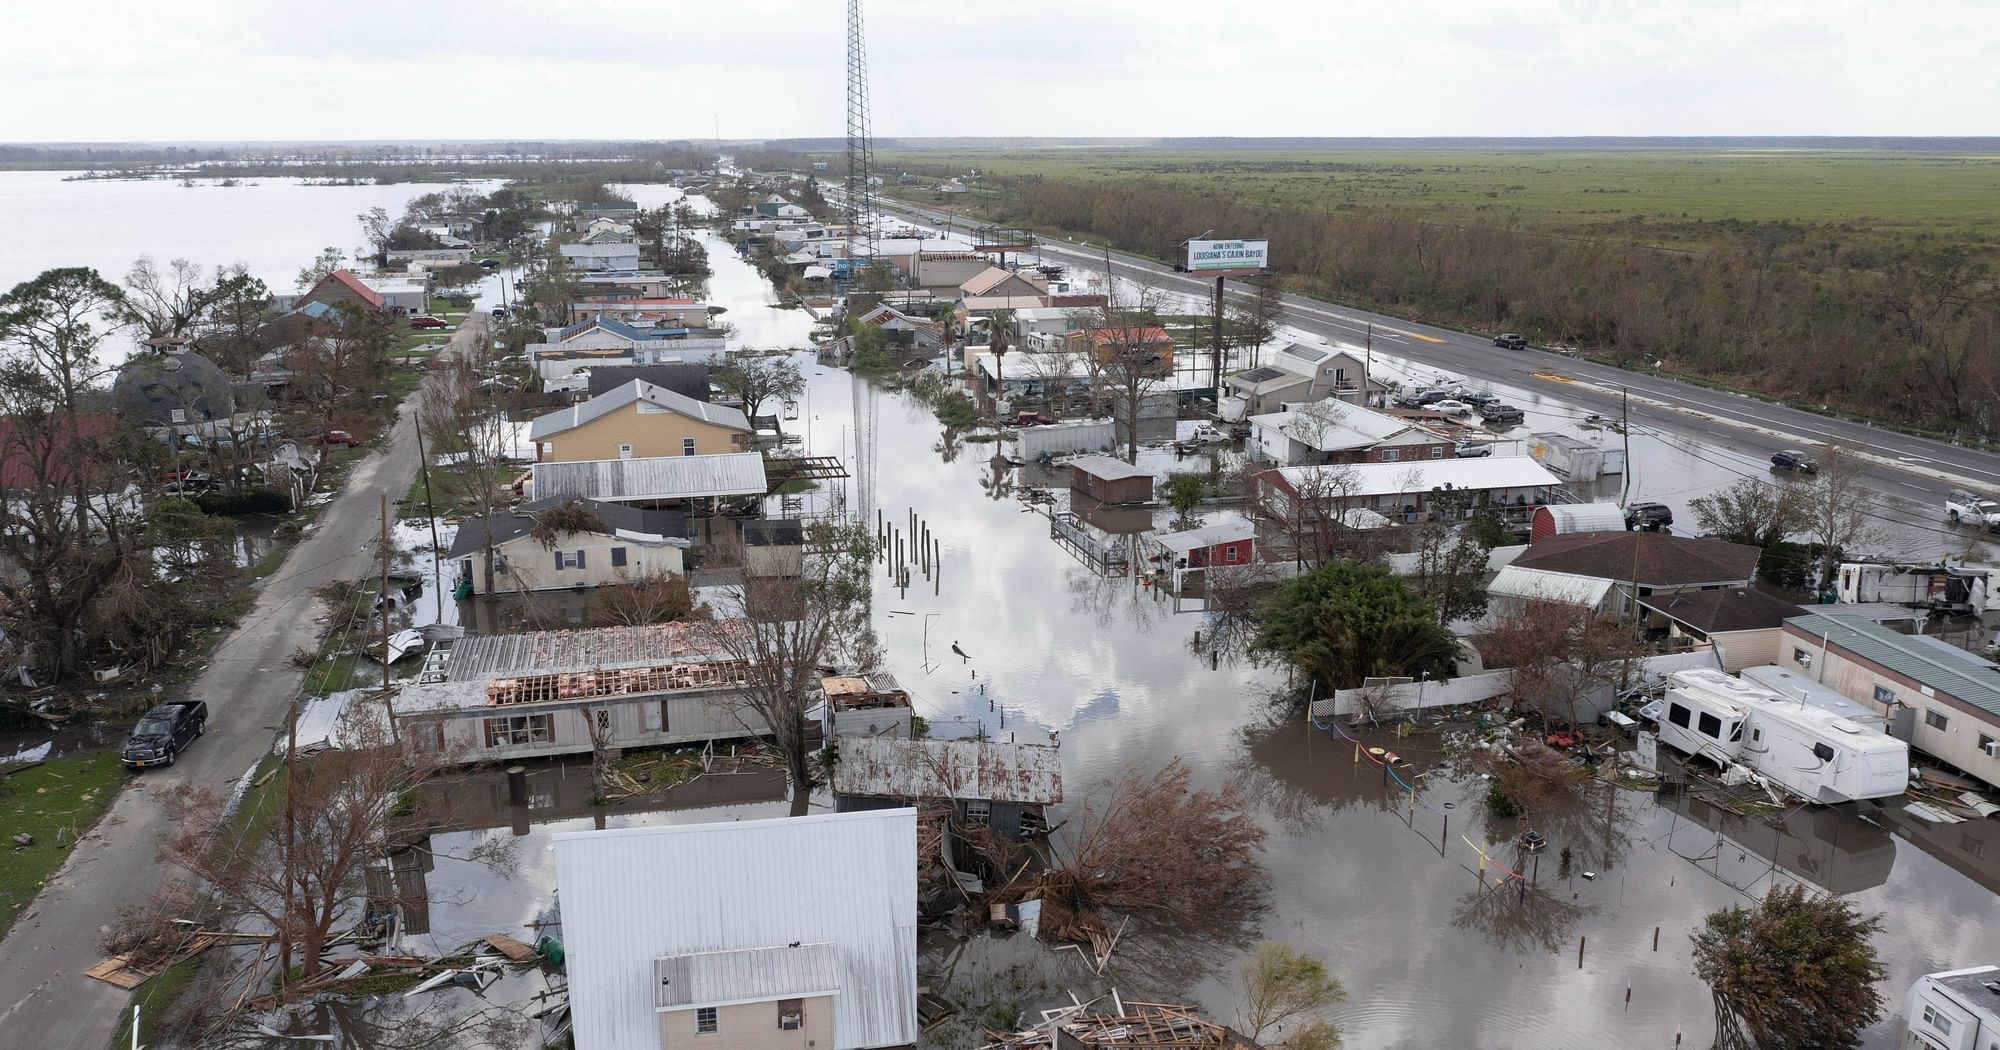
[1514, 581]
[1331, 425]
[1397, 478]
[653, 478]
[1944, 668]
[631, 896]
[748, 975]
[1206, 536]
[640, 392]
[885, 767]
[516, 522]
[1585, 517]
[1108, 468]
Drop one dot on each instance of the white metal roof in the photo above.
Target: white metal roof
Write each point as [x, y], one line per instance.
[1393, 479]
[1109, 468]
[640, 392]
[1514, 581]
[1331, 425]
[653, 478]
[1207, 536]
[749, 975]
[1794, 686]
[631, 896]
[1586, 517]
[887, 767]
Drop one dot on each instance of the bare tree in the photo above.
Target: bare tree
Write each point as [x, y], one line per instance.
[784, 628]
[1561, 655]
[1752, 511]
[461, 421]
[339, 362]
[1313, 512]
[171, 303]
[1281, 986]
[328, 260]
[653, 596]
[1258, 317]
[1838, 510]
[229, 334]
[759, 379]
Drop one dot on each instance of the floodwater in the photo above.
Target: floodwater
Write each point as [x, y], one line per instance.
[1388, 893]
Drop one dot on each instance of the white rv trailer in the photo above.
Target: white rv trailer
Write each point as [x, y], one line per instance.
[1792, 685]
[1942, 588]
[1813, 753]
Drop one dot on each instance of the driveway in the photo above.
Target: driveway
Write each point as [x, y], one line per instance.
[45, 999]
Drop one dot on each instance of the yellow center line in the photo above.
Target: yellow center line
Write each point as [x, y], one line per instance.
[1420, 335]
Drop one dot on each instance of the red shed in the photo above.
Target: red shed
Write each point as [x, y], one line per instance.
[1563, 519]
[1229, 543]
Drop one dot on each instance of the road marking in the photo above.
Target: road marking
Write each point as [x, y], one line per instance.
[1420, 335]
[1552, 377]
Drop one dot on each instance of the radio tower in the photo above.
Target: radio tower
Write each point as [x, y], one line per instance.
[860, 244]
[860, 145]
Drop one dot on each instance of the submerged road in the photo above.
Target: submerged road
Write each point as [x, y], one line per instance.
[1903, 467]
[249, 683]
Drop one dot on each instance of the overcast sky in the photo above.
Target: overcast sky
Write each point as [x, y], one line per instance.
[98, 70]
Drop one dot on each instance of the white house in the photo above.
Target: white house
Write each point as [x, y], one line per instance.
[632, 544]
[1955, 1010]
[1300, 373]
[794, 932]
[400, 292]
[1332, 431]
[1513, 485]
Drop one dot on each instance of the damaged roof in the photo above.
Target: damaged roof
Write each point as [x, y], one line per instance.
[962, 770]
[619, 519]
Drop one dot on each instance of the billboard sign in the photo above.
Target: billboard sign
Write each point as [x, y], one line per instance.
[1214, 256]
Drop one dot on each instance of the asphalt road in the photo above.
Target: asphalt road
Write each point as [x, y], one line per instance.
[1903, 467]
[45, 999]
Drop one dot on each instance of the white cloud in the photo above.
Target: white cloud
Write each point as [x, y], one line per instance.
[252, 69]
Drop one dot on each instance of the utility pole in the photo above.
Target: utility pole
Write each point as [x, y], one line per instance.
[1368, 364]
[291, 836]
[382, 599]
[1217, 376]
[1625, 426]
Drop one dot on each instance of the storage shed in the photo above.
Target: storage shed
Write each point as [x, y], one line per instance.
[1110, 480]
[1566, 518]
[1062, 439]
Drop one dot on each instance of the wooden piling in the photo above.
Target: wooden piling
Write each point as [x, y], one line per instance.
[1656, 938]
[1579, 952]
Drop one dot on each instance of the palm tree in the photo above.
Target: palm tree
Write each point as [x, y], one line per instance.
[999, 339]
[946, 316]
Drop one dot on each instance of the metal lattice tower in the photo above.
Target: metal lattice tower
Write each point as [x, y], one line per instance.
[860, 145]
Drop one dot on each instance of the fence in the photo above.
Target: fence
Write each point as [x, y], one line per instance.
[1401, 695]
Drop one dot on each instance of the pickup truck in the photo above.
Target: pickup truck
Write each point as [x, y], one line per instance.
[1963, 507]
[163, 733]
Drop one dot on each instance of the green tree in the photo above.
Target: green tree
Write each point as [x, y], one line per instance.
[1796, 971]
[1346, 621]
[1282, 987]
[1184, 492]
[328, 260]
[999, 339]
[1751, 511]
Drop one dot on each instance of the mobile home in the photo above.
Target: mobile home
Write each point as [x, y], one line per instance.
[1937, 587]
[1807, 750]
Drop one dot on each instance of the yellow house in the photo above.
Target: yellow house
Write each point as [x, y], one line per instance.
[639, 420]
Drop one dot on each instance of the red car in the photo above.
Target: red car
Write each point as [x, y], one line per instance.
[427, 321]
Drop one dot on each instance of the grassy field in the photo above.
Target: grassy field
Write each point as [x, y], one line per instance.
[55, 802]
[1902, 192]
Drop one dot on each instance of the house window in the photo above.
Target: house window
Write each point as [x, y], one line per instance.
[1229, 554]
[569, 560]
[1709, 726]
[1678, 715]
[428, 736]
[1884, 696]
[687, 446]
[624, 452]
[704, 1021]
[1937, 1020]
[180, 415]
[1437, 451]
[791, 1014]
[1936, 719]
[978, 811]
[617, 557]
[517, 731]
[1801, 657]
[1390, 455]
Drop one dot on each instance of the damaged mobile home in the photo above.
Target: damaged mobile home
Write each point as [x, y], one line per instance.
[1004, 786]
[1810, 751]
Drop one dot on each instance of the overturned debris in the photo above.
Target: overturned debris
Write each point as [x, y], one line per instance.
[1154, 1026]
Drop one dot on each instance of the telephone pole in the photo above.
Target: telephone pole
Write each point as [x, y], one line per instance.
[382, 599]
[1625, 428]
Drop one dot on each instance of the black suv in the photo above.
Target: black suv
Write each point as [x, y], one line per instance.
[1793, 459]
[1511, 341]
[1649, 516]
[162, 734]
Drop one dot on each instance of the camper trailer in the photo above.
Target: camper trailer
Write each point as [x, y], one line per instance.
[1809, 751]
[1939, 588]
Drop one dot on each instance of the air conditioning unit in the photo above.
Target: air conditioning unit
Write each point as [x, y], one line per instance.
[1993, 748]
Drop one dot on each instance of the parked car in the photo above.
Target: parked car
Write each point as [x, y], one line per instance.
[1451, 407]
[1480, 399]
[489, 264]
[427, 321]
[330, 438]
[1473, 449]
[163, 733]
[1793, 459]
[1511, 341]
[1649, 516]
[1963, 506]
[1502, 414]
[499, 313]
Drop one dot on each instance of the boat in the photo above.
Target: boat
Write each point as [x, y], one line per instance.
[1812, 752]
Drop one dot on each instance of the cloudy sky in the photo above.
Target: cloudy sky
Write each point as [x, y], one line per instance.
[99, 70]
